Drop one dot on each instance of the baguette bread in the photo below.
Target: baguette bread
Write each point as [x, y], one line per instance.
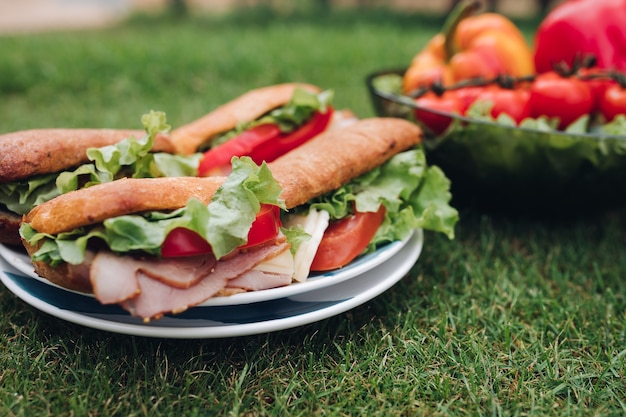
[332, 159]
[188, 138]
[27, 153]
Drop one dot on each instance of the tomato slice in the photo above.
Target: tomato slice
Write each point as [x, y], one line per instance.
[217, 160]
[263, 142]
[265, 227]
[186, 242]
[286, 142]
[345, 239]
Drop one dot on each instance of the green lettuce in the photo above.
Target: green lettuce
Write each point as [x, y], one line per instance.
[130, 157]
[414, 195]
[224, 222]
[289, 117]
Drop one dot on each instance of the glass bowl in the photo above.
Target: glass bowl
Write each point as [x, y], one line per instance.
[502, 166]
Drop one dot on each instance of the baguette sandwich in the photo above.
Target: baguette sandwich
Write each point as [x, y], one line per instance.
[37, 165]
[162, 245]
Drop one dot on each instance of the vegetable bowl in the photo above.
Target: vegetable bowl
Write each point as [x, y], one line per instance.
[514, 167]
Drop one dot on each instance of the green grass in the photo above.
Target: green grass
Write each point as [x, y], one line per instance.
[515, 317]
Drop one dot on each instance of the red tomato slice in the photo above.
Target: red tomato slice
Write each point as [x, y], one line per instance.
[186, 242]
[286, 142]
[264, 142]
[345, 239]
[216, 159]
[265, 227]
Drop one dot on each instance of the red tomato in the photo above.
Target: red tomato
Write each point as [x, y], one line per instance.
[185, 242]
[466, 96]
[613, 102]
[265, 227]
[553, 95]
[264, 142]
[217, 160]
[286, 142]
[514, 102]
[598, 85]
[433, 109]
[345, 239]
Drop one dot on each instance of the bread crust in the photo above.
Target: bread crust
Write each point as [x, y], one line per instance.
[188, 138]
[335, 157]
[42, 151]
[125, 196]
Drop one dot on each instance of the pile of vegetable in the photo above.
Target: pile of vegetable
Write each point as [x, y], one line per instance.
[481, 67]
[540, 127]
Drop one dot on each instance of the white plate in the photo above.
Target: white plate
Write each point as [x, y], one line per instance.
[218, 321]
[20, 260]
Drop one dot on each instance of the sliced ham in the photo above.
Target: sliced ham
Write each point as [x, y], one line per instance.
[255, 280]
[113, 278]
[157, 297]
[183, 272]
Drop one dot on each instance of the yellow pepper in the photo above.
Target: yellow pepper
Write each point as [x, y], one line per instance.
[470, 46]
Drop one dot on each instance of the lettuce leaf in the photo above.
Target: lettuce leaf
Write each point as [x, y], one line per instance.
[130, 157]
[224, 222]
[414, 195]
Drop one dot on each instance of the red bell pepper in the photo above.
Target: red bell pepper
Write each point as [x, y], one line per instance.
[578, 28]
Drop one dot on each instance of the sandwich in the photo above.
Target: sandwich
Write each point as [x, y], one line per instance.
[162, 245]
[263, 124]
[37, 165]
[40, 164]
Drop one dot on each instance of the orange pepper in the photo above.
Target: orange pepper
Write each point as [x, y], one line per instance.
[484, 45]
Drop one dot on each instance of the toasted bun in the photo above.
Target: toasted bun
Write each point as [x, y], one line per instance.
[336, 156]
[9, 228]
[248, 107]
[125, 196]
[42, 151]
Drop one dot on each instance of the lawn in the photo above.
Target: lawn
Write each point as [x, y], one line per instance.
[516, 316]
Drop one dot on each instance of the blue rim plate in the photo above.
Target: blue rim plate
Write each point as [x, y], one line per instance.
[218, 321]
[20, 261]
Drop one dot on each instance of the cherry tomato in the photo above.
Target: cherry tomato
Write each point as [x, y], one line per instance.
[432, 110]
[466, 96]
[263, 142]
[186, 242]
[598, 85]
[613, 102]
[553, 95]
[513, 102]
[345, 239]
